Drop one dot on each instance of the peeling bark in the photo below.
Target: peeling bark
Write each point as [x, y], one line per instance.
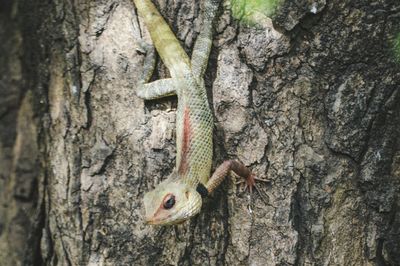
[309, 100]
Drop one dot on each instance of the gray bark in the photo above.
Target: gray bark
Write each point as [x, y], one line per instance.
[309, 101]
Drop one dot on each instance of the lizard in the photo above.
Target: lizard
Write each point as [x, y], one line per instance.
[179, 197]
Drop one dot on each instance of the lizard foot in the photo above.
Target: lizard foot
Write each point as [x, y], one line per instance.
[237, 169]
[144, 47]
[251, 183]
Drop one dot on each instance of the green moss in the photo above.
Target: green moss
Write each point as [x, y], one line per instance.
[251, 11]
[396, 47]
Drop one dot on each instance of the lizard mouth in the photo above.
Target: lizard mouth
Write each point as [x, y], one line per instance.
[155, 221]
[151, 222]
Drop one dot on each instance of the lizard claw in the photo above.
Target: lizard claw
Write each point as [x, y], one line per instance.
[144, 47]
[251, 183]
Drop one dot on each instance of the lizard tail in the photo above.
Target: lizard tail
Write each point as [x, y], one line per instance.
[168, 47]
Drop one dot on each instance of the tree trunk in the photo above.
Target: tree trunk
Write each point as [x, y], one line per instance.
[310, 102]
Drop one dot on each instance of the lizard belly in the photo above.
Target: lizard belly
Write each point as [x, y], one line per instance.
[194, 139]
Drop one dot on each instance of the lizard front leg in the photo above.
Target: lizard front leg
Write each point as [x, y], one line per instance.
[238, 168]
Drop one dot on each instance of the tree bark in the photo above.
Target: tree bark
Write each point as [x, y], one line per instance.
[309, 100]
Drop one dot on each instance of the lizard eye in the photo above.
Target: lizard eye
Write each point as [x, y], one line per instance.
[169, 202]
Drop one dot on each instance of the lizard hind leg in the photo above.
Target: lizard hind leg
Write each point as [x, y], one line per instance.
[202, 46]
[156, 89]
[149, 60]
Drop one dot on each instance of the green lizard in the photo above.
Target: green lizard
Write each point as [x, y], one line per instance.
[179, 197]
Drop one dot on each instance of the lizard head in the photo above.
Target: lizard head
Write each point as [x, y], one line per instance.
[171, 202]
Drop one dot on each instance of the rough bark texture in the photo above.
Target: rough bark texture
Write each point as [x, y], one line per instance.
[310, 102]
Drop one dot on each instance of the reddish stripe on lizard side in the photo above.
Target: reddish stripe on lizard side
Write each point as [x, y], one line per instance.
[183, 166]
